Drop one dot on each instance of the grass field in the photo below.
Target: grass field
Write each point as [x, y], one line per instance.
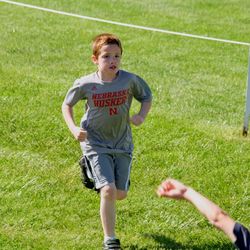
[193, 132]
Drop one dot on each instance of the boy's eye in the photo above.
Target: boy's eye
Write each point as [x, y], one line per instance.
[108, 56]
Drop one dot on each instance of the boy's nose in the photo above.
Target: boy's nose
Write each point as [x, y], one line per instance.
[113, 59]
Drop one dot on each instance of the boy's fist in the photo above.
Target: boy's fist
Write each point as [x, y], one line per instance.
[137, 120]
[80, 134]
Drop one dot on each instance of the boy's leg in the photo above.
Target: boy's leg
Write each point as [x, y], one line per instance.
[87, 182]
[107, 209]
[123, 162]
[102, 166]
[112, 176]
[115, 191]
[121, 194]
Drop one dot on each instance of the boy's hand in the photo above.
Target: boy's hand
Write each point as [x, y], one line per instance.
[172, 189]
[137, 120]
[80, 134]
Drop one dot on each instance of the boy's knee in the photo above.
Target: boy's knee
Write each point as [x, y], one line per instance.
[109, 192]
[120, 195]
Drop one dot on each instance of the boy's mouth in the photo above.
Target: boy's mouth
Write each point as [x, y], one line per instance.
[112, 67]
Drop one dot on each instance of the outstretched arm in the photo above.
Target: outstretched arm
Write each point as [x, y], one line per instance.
[139, 118]
[171, 188]
[68, 115]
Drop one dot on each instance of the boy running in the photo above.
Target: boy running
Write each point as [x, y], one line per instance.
[104, 133]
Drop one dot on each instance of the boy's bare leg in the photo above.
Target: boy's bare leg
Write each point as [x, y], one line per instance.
[107, 209]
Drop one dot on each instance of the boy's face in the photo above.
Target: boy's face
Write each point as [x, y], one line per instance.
[108, 60]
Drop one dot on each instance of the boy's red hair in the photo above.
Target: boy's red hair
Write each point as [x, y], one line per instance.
[104, 39]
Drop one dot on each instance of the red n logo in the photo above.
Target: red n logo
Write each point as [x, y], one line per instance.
[113, 111]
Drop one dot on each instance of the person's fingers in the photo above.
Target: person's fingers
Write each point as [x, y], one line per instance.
[167, 185]
[160, 191]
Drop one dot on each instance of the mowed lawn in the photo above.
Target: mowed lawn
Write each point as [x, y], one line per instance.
[193, 132]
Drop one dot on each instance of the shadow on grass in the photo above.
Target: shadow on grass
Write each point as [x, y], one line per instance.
[169, 244]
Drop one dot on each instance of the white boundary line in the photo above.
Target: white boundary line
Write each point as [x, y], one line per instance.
[125, 24]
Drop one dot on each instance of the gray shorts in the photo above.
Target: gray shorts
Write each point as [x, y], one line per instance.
[110, 168]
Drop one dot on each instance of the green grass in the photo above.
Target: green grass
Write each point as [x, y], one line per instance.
[193, 132]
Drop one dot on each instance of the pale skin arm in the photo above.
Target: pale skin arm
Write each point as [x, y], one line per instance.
[139, 118]
[68, 116]
[174, 189]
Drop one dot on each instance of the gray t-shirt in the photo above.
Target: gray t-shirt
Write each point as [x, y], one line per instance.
[106, 119]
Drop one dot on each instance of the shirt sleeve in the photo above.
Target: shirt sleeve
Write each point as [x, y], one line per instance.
[242, 237]
[141, 90]
[75, 94]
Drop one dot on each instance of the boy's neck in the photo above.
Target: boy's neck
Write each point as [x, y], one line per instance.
[107, 78]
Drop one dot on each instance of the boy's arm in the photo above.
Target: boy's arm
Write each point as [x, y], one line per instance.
[174, 189]
[139, 118]
[68, 116]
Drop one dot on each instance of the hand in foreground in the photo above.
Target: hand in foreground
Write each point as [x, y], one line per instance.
[172, 189]
[80, 134]
[137, 120]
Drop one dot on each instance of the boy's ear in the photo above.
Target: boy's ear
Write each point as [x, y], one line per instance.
[94, 59]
